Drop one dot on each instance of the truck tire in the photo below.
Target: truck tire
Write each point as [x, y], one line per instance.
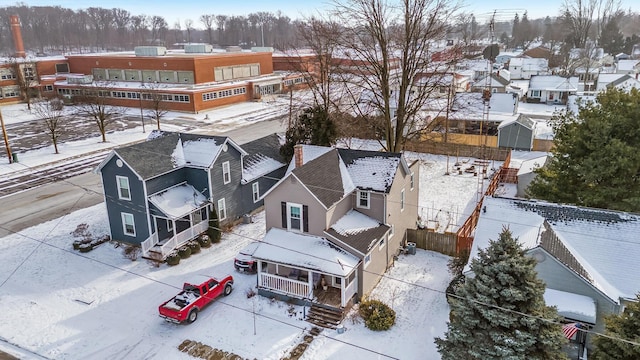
[227, 289]
[193, 315]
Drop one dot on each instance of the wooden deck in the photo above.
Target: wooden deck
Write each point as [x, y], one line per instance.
[329, 297]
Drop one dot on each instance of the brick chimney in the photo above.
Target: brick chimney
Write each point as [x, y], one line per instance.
[17, 36]
[297, 154]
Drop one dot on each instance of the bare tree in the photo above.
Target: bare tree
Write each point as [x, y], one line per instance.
[207, 20]
[52, 113]
[154, 100]
[158, 28]
[221, 20]
[390, 41]
[188, 24]
[94, 103]
[580, 14]
[121, 19]
[26, 78]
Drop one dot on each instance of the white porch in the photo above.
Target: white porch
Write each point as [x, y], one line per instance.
[305, 284]
[165, 246]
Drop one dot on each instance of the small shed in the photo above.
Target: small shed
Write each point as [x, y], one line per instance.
[517, 134]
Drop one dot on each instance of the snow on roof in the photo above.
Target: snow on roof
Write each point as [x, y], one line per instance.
[258, 166]
[354, 222]
[530, 64]
[375, 173]
[627, 65]
[305, 251]
[309, 152]
[518, 157]
[200, 152]
[178, 201]
[572, 306]
[553, 83]
[529, 165]
[347, 183]
[604, 242]
[543, 130]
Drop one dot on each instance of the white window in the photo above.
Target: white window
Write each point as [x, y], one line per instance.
[294, 217]
[367, 260]
[226, 172]
[255, 187]
[402, 200]
[535, 93]
[169, 225]
[124, 192]
[222, 209]
[381, 243]
[412, 180]
[128, 224]
[364, 199]
[392, 230]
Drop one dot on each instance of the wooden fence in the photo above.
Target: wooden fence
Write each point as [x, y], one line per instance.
[429, 240]
[480, 152]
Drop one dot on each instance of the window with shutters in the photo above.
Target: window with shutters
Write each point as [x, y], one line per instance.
[295, 217]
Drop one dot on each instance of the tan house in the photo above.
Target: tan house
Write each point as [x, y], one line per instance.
[335, 222]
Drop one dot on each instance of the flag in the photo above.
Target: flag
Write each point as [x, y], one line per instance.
[569, 330]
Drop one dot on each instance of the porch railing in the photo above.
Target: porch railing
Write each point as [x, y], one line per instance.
[284, 285]
[175, 241]
[149, 243]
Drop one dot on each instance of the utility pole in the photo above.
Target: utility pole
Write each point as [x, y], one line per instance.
[6, 139]
[141, 113]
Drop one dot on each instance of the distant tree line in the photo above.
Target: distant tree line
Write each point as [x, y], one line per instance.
[55, 29]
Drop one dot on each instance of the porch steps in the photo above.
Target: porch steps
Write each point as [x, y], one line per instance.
[325, 317]
[154, 256]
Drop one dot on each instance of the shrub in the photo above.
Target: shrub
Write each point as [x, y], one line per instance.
[131, 252]
[204, 241]
[214, 227]
[173, 259]
[377, 315]
[194, 246]
[184, 252]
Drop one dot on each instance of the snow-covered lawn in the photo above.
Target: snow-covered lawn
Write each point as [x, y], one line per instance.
[61, 304]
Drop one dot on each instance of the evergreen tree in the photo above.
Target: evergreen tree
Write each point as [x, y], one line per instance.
[629, 41]
[595, 160]
[314, 126]
[611, 38]
[481, 325]
[515, 31]
[214, 227]
[623, 326]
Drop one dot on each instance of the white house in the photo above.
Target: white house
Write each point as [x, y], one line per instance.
[619, 81]
[630, 67]
[524, 68]
[551, 89]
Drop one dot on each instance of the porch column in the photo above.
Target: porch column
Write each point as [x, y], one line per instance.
[310, 283]
[191, 224]
[342, 289]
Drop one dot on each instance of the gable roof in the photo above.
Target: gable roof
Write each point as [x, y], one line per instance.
[493, 80]
[165, 151]
[358, 231]
[264, 157]
[553, 83]
[522, 119]
[529, 64]
[372, 170]
[325, 177]
[604, 242]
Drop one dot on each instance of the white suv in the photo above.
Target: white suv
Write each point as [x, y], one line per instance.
[244, 261]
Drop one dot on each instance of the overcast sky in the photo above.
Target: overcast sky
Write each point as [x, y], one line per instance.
[173, 10]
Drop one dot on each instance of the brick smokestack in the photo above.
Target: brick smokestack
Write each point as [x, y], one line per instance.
[297, 154]
[17, 36]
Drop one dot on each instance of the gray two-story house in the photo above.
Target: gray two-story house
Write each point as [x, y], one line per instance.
[161, 193]
[334, 223]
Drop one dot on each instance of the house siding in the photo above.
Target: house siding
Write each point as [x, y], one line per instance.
[376, 205]
[265, 183]
[165, 181]
[338, 210]
[232, 191]
[291, 190]
[115, 206]
[559, 277]
[407, 219]
[371, 274]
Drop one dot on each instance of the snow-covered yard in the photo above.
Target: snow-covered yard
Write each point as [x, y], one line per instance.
[61, 304]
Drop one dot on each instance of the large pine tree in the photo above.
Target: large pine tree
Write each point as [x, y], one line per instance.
[624, 326]
[481, 324]
[595, 160]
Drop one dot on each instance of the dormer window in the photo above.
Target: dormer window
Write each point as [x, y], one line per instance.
[364, 199]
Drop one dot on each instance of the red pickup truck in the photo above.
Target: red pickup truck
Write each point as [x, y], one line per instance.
[186, 305]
